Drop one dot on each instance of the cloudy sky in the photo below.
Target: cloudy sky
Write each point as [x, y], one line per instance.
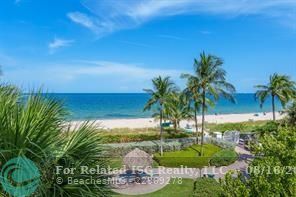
[119, 45]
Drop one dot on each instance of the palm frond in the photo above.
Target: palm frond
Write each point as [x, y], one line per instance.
[34, 126]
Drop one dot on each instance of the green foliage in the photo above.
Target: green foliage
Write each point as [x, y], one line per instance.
[207, 187]
[272, 173]
[177, 110]
[291, 115]
[224, 158]
[188, 157]
[159, 96]
[162, 88]
[35, 128]
[209, 80]
[270, 127]
[233, 186]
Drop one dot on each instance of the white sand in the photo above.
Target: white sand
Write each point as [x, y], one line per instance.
[149, 122]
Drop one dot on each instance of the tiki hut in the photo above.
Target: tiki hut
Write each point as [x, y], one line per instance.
[137, 159]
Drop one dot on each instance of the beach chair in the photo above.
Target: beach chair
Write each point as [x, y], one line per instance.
[166, 124]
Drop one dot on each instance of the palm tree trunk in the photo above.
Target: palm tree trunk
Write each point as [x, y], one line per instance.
[273, 108]
[161, 131]
[203, 120]
[196, 127]
[175, 126]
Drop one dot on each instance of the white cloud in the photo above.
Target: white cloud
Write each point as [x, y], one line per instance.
[81, 19]
[108, 16]
[103, 68]
[90, 76]
[58, 43]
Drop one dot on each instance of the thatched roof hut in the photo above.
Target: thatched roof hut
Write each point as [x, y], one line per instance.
[137, 158]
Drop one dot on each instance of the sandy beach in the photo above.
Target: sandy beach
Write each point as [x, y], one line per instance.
[149, 122]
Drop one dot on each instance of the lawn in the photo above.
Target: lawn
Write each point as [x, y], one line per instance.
[188, 157]
[173, 189]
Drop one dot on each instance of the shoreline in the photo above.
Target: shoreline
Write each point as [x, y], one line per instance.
[136, 123]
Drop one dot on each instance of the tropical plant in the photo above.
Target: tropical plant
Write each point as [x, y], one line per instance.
[269, 128]
[272, 172]
[33, 126]
[280, 87]
[177, 109]
[207, 187]
[210, 82]
[162, 88]
[193, 97]
[291, 114]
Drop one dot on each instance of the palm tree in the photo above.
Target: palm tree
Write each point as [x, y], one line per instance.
[177, 109]
[36, 128]
[162, 88]
[210, 80]
[280, 87]
[192, 95]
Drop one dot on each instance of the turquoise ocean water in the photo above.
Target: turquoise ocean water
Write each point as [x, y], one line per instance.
[130, 105]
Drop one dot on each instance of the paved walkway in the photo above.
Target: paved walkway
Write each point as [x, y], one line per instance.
[165, 174]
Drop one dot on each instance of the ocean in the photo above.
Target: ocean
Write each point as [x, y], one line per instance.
[130, 105]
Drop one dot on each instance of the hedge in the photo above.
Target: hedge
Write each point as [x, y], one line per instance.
[224, 158]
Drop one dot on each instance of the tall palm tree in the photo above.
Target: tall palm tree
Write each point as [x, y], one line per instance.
[280, 87]
[177, 109]
[193, 96]
[211, 84]
[162, 88]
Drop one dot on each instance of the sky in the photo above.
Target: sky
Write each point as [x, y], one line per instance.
[90, 46]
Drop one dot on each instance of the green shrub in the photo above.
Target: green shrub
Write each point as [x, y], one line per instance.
[270, 127]
[223, 158]
[291, 115]
[207, 187]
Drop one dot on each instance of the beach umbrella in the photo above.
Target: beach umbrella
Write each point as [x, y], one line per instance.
[137, 159]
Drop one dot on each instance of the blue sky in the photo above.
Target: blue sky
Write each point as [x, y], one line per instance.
[118, 46]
